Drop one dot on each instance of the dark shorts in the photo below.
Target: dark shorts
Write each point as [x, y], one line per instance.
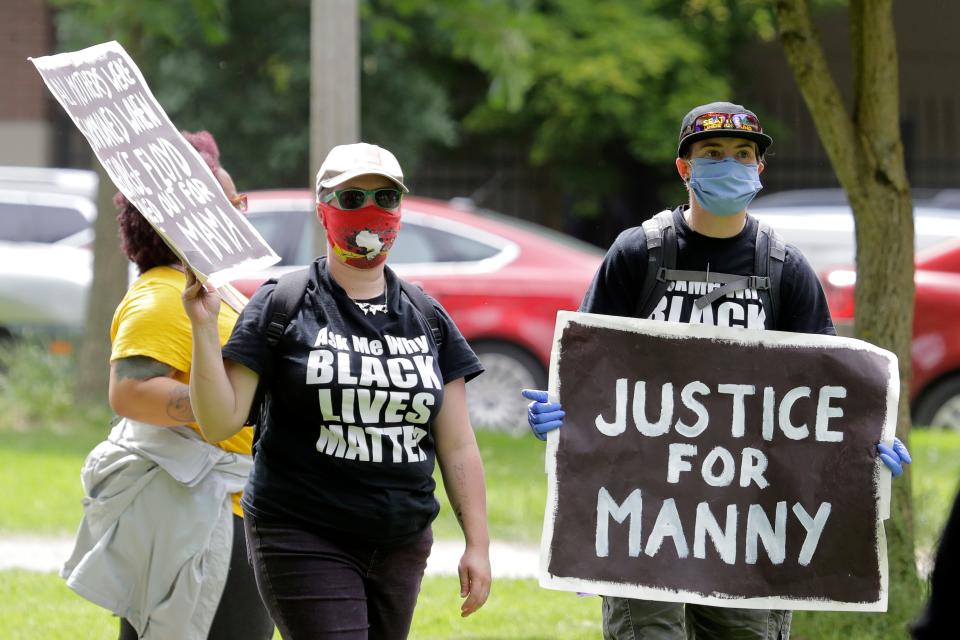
[318, 586]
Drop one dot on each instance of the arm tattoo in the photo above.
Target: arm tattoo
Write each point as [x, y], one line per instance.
[179, 407]
[141, 368]
[460, 476]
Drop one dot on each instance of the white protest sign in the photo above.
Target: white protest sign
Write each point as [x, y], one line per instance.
[152, 164]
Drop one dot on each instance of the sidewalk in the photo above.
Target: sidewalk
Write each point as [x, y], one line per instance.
[507, 559]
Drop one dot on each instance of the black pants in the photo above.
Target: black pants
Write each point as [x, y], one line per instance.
[318, 588]
[241, 613]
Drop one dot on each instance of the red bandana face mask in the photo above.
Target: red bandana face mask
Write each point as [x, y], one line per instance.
[361, 237]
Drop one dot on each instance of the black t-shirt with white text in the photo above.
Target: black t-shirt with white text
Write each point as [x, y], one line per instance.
[618, 283]
[348, 444]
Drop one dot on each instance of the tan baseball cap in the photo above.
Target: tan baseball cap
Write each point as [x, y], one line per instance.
[348, 161]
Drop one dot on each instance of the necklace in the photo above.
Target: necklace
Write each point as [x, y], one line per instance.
[372, 308]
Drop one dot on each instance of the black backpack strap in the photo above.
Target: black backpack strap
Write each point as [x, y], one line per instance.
[661, 240]
[769, 255]
[423, 304]
[286, 299]
[281, 307]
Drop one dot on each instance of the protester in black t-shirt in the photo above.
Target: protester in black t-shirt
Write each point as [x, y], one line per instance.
[339, 504]
[720, 158]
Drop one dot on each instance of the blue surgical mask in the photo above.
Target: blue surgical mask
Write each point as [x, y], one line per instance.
[724, 187]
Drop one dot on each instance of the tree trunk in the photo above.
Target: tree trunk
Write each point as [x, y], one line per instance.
[110, 281]
[866, 153]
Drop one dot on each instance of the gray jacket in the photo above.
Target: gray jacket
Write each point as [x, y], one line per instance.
[155, 540]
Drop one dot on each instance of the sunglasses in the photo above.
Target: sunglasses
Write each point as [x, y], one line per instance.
[239, 201]
[712, 121]
[353, 198]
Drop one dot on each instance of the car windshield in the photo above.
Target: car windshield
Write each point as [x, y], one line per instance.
[946, 201]
[826, 237]
[79, 182]
[25, 222]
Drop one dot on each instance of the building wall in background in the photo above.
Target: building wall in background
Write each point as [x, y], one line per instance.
[25, 128]
[928, 52]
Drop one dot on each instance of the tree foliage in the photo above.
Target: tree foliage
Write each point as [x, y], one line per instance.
[238, 69]
[583, 85]
[577, 85]
[241, 70]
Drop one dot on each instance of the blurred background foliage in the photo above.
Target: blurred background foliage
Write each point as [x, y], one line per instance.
[587, 91]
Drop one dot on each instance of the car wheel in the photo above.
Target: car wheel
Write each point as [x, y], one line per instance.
[940, 406]
[494, 399]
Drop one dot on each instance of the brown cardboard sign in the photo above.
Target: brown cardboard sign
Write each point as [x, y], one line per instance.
[718, 466]
[151, 163]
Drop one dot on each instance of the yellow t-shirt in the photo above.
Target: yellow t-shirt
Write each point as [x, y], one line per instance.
[150, 321]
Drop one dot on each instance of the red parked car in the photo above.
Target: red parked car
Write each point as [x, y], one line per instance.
[935, 353]
[501, 279]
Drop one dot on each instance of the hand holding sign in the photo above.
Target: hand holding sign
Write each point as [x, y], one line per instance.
[894, 457]
[201, 304]
[542, 416]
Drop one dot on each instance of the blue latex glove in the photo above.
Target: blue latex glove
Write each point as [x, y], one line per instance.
[542, 416]
[894, 457]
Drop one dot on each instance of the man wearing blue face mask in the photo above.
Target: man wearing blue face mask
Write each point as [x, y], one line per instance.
[706, 262]
[720, 158]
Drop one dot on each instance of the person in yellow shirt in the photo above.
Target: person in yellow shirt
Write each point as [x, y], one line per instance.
[150, 374]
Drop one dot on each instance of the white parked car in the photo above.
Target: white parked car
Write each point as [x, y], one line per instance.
[819, 222]
[46, 218]
[79, 182]
[43, 286]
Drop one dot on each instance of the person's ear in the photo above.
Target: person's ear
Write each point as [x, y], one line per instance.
[760, 167]
[683, 169]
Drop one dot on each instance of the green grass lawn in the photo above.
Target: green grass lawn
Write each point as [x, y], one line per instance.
[516, 489]
[936, 479]
[39, 605]
[41, 472]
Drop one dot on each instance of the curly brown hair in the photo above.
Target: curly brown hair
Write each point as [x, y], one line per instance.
[138, 240]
